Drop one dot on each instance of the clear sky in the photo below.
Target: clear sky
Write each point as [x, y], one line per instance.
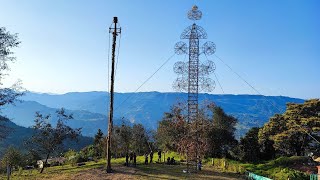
[274, 45]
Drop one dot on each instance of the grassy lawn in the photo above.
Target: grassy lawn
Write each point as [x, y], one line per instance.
[220, 169]
[281, 168]
[96, 170]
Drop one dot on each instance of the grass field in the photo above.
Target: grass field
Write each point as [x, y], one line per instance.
[218, 169]
[96, 170]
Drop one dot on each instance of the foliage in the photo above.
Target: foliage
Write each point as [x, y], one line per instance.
[48, 139]
[70, 155]
[221, 134]
[280, 168]
[8, 95]
[249, 146]
[4, 130]
[140, 140]
[98, 143]
[126, 139]
[88, 151]
[171, 129]
[122, 136]
[291, 131]
[211, 133]
[11, 158]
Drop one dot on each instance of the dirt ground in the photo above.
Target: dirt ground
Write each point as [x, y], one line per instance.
[122, 172]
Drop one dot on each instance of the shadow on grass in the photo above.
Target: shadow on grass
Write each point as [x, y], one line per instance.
[161, 171]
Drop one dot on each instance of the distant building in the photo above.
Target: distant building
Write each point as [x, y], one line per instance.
[57, 161]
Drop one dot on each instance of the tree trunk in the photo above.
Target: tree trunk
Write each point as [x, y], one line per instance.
[45, 163]
[8, 171]
[298, 151]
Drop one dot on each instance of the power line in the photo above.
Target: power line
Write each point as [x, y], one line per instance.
[218, 82]
[216, 77]
[117, 56]
[145, 81]
[238, 75]
[264, 97]
[109, 63]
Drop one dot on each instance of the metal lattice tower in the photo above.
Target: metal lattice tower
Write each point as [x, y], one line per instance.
[193, 75]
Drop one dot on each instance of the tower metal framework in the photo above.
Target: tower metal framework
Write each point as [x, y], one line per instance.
[193, 75]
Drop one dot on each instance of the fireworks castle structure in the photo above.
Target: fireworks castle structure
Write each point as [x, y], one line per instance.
[193, 76]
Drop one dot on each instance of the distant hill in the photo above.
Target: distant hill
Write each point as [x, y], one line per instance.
[23, 114]
[90, 108]
[18, 134]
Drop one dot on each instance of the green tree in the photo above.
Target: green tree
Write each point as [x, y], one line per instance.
[88, 152]
[98, 143]
[296, 130]
[121, 139]
[11, 158]
[139, 141]
[47, 139]
[221, 134]
[98, 137]
[249, 146]
[8, 95]
[211, 133]
[171, 129]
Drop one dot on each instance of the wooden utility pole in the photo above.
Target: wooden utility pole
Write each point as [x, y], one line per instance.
[115, 31]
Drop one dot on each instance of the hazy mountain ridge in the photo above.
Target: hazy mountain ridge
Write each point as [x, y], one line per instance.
[23, 114]
[90, 108]
[17, 135]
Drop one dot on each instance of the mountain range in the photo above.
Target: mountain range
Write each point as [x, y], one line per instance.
[90, 109]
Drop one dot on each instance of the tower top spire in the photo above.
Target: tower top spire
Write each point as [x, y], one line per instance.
[194, 13]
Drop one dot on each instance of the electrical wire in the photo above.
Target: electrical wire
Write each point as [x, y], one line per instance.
[118, 55]
[216, 77]
[264, 97]
[218, 82]
[109, 61]
[145, 82]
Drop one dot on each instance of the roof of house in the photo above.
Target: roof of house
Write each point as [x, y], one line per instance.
[56, 159]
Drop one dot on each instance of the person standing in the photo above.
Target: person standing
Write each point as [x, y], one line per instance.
[172, 161]
[199, 165]
[168, 160]
[146, 158]
[159, 156]
[131, 157]
[127, 159]
[134, 159]
[151, 156]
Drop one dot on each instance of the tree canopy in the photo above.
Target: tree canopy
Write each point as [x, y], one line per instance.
[8, 95]
[296, 131]
[211, 134]
[48, 139]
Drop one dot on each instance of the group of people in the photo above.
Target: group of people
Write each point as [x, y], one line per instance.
[171, 161]
[146, 157]
[131, 158]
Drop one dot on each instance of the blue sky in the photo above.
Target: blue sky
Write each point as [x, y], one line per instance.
[274, 45]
